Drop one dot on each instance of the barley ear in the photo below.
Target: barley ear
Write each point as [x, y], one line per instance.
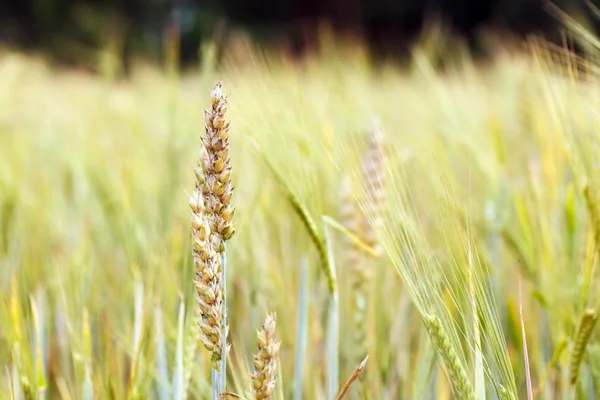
[452, 363]
[584, 332]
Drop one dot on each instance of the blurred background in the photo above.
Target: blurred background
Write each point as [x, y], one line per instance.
[90, 33]
[489, 119]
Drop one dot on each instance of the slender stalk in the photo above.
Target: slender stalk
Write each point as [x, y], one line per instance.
[352, 378]
[479, 378]
[162, 379]
[333, 328]
[301, 331]
[525, 352]
[216, 381]
[177, 385]
[224, 328]
[332, 345]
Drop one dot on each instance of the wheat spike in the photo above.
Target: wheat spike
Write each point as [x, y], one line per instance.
[265, 360]
[373, 185]
[208, 280]
[216, 168]
[212, 225]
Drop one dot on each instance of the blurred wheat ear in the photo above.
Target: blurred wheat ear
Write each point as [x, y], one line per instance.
[372, 187]
[265, 360]
[584, 332]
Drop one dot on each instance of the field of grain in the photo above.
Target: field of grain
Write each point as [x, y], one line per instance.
[454, 242]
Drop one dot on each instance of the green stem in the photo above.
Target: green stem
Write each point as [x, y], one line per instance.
[333, 329]
[216, 380]
[224, 322]
[301, 330]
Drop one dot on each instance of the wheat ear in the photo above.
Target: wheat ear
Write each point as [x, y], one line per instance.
[212, 226]
[208, 279]
[373, 182]
[374, 185]
[216, 169]
[265, 360]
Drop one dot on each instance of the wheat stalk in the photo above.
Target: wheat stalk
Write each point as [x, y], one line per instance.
[352, 378]
[265, 360]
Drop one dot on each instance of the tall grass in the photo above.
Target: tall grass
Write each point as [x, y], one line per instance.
[491, 173]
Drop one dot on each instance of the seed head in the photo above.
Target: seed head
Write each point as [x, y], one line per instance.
[456, 372]
[212, 224]
[265, 360]
[216, 169]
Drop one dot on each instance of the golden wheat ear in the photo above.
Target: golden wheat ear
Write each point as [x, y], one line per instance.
[212, 227]
[217, 187]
